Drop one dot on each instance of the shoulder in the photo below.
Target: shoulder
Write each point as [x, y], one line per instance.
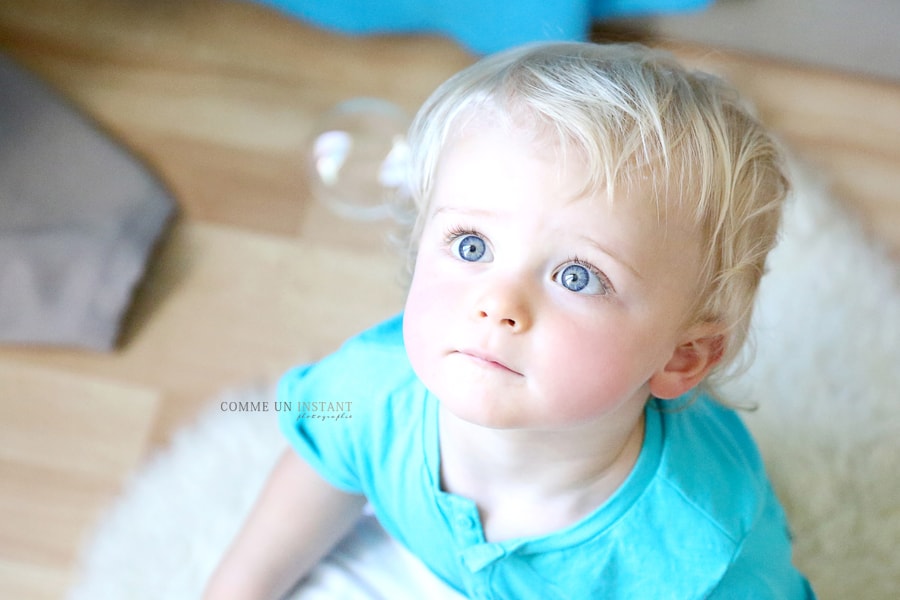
[369, 364]
[712, 461]
[713, 473]
[341, 412]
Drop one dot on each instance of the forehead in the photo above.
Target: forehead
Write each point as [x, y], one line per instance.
[578, 172]
[500, 153]
[514, 171]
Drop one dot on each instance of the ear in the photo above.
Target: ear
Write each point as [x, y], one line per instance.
[692, 359]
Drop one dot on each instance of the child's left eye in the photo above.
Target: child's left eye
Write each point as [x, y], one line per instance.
[470, 247]
[581, 278]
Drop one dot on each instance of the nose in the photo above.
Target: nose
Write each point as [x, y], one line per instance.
[505, 304]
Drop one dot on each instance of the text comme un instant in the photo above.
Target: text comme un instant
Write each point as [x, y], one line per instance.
[301, 407]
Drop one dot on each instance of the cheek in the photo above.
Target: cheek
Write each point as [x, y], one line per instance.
[422, 301]
[433, 292]
[580, 357]
[592, 371]
[422, 321]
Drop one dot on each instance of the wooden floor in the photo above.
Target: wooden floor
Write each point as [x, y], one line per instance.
[218, 97]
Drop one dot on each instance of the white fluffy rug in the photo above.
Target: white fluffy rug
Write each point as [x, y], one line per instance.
[826, 377]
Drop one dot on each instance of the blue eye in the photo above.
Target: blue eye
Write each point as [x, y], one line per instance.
[470, 248]
[577, 277]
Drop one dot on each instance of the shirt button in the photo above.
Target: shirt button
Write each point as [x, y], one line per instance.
[465, 521]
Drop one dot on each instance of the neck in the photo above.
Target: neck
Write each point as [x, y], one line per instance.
[561, 475]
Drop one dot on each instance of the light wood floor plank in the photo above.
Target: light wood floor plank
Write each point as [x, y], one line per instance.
[67, 441]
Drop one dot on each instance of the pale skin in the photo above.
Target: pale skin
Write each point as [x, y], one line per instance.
[296, 520]
[543, 320]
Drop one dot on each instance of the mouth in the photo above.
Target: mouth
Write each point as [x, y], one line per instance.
[486, 360]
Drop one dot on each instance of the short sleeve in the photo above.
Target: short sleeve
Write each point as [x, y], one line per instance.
[318, 423]
[337, 411]
[762, 567]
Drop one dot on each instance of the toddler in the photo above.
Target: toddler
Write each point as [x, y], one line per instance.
[593, 222]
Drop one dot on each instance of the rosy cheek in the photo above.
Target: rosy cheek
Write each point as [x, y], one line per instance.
[429, 289]
[413, 338]
[419, 301]
[419, 324]
[587, 365]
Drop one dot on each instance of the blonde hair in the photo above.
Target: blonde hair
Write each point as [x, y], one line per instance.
[634, 115]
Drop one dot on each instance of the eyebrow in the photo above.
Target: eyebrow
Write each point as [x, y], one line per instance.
[615, 256]
[475, 212]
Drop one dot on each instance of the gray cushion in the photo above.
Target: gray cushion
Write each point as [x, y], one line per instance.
[78, 218]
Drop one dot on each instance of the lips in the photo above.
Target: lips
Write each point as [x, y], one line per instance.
[486, 360]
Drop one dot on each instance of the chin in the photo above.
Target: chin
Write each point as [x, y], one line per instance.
[485, 399]
[487, 421]
[481, 411]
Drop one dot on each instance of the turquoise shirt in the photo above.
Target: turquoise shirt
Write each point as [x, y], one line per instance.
[696, 518]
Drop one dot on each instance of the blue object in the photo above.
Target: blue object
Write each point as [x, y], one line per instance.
[696, 517]
[483, 26]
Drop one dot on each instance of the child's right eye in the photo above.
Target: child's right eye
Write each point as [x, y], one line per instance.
[470, 247]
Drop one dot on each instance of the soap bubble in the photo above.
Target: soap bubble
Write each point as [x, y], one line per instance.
[358, 158]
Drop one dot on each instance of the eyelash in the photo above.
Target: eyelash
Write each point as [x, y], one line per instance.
[604, 280]
[458, 232]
